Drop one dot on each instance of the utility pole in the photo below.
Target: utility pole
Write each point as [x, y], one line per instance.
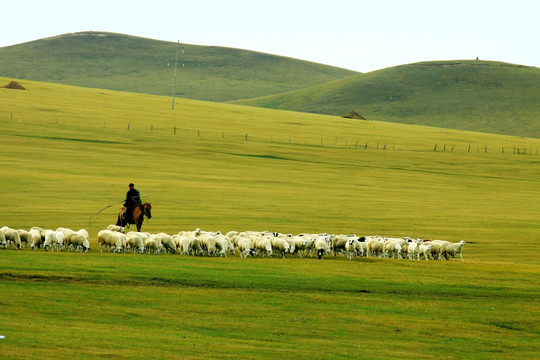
[175, 68]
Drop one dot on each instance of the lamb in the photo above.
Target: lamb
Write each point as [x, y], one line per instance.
[111, 240]
[117, 228]
[11, 236]
[454, 248]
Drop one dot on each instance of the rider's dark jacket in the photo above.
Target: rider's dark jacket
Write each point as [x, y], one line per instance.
[133, 198]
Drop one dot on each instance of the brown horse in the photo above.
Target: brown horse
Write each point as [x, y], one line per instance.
[137, 217]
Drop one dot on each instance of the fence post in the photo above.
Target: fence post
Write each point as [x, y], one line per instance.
[128, 126]
[246, 136]
[469, 150]
[365, 147]
[435, 148]
[453, 147]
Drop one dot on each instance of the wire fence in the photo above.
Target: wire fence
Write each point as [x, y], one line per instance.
[348, 143]
[335, 142]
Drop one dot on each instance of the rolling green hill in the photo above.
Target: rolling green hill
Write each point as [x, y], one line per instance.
[470, 95]
[128, 63]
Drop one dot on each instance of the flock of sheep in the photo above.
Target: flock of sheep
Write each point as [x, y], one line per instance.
[247, 243]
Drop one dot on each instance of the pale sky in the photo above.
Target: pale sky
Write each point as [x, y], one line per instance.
[358, 35]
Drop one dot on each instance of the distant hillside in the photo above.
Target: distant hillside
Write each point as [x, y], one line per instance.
[128, 63]
[470, 95]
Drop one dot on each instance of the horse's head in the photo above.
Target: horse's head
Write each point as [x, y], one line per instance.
[148, 210]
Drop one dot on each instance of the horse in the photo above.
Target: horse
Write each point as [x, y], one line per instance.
[137, 217]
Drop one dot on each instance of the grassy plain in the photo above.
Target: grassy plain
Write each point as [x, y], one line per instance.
[66, 153]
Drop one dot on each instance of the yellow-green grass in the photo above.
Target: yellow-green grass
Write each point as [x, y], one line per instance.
[71, 154]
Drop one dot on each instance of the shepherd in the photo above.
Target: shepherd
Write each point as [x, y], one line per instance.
[134, 209]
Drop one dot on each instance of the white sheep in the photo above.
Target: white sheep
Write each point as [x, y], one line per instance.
[167, 242]
[338, 243]
[350, 248]
[11, 236]
[321, 244]
[424, 250]
[195, 247]
[208, 243]
[375, 245]
[264, 246]
[245, 247]
[135, 242]
[300, 244]
[117, 228]
[37, 240]
[223, 245]
[49, 239]
[452, 249]
[392, 248]
[25, 237]
[78, 240]
[151, 245]
[111, 240]
[280, 245]
[3, 242]
[413, 247]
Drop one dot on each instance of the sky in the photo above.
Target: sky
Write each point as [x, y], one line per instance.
[358, 35]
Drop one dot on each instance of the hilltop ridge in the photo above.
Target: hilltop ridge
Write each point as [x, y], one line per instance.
[129, 63]
[484, 96]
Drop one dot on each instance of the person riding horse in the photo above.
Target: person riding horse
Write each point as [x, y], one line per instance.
[133, 199]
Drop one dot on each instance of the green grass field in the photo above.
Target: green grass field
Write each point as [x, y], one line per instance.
[67, 152]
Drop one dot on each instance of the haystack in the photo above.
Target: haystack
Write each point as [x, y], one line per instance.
[354, 115]
[14, 85]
